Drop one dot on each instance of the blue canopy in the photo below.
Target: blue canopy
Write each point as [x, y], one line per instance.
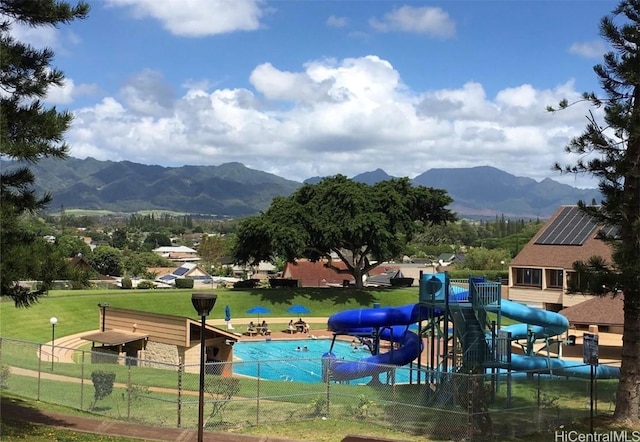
[298, 310]
[258, 310]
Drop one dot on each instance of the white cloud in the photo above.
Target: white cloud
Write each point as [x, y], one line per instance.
[337, 22]
[147, 93]
[591, 49]
[331, 116]
[421, 20]
[65, 93]
[197, 18]
[38, 37]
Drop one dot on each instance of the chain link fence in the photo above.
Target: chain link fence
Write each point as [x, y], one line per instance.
[434, 404]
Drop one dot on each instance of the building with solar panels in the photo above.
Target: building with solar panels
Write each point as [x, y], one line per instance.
[538, 275]
[187, 270]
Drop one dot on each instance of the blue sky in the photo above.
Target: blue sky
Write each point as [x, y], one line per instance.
[314, 88]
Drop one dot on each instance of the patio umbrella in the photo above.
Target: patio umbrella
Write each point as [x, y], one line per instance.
[227, 313]
[298, 310]
[258, 310]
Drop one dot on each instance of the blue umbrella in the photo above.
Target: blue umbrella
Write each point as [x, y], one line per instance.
[258, 310]
[227, 313]
[298, 310]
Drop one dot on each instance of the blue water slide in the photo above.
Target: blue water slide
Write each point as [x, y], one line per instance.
[392, 323]
[542, 324]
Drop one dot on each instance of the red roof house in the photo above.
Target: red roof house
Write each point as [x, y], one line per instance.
[316, 274]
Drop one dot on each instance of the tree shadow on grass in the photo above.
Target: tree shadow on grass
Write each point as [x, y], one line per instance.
[19, 410]
[337, 295]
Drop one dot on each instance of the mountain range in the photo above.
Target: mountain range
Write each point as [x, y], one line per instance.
[233, 190]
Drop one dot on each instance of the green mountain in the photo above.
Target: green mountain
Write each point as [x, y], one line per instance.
[234, 190]
[227, 190]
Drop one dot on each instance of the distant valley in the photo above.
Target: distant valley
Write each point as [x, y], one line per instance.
[233, 190]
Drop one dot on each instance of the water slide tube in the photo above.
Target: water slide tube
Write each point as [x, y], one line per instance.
[392, 323]
[543, 323]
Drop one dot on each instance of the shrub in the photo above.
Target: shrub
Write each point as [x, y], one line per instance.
[318, 406]
[126, 283]
[146, 284]
[246, 284]
[102, 384]
[184, 283]
[283, 282]
[5, 371]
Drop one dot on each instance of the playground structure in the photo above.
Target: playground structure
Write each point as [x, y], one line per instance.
[463, 322]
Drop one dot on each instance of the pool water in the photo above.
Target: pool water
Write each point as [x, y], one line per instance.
[286, 360]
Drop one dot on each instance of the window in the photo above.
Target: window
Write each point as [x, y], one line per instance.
[554, 279]
[528, 277]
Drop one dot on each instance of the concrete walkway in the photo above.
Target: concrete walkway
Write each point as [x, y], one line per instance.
[66, 346]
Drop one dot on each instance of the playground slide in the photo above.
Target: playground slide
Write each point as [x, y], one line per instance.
[543, 323]
[393, 323]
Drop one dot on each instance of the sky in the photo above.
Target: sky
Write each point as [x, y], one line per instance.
[310, 88]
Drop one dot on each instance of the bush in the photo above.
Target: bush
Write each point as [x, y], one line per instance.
[184, 283]
[103, 384]
[126, 283]
[5, 371]
[146, 285]
[283, 282]
[246, 284]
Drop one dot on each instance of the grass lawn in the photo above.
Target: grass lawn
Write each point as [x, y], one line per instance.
[77, 310]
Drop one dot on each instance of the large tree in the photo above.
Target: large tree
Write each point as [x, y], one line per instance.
[360, 224]
[28, 130]
[610, 151]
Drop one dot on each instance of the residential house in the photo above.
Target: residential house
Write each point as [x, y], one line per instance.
[448, 259]
[187, 270]
[316, 274]
[178, 253]
[539, 274]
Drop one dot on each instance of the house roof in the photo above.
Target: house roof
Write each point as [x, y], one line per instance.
[535, 254]
[315, 274]
[181, 272]
[174, 249]
[114, 337]
[605, 310]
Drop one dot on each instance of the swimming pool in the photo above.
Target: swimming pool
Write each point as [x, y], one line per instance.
[281, 359]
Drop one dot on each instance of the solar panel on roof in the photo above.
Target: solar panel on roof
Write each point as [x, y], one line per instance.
[609, 232]
[570, 228]
[180, 271]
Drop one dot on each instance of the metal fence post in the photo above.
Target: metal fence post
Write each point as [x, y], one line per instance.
[39, 368]
[82, 381]
[180, 372]
[327, 396]
[470, 406]
[258, 397]
[128, 387]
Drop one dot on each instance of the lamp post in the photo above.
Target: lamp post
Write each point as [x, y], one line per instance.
[53, 321]
[203, 303]
[103, 306]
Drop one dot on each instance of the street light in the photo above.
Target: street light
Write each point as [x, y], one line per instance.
[53, 321]
[203, 303]
[103, 306]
